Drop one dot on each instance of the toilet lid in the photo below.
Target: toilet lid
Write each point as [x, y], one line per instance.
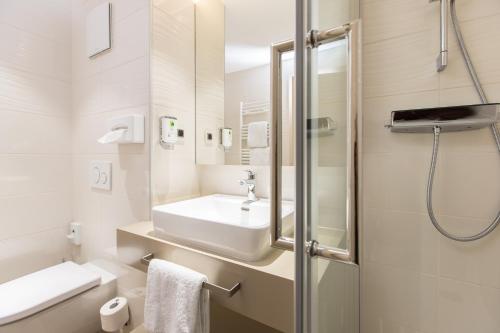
[37, 291]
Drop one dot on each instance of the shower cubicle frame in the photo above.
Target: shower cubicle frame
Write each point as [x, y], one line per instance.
[304, 246]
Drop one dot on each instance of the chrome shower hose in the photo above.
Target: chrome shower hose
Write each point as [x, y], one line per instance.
[470, 66]
[437, 132]
[484, 232]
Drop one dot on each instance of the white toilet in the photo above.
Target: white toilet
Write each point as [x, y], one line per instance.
[64, 298]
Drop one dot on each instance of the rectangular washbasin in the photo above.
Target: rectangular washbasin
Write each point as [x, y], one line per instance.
[217, 223]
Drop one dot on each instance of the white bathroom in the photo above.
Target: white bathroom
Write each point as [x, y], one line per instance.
[223, 166]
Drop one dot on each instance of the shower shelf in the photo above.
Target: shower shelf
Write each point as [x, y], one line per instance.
[448, 119]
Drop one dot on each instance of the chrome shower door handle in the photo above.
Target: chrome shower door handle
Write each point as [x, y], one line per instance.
[277, 239]
[351, 34]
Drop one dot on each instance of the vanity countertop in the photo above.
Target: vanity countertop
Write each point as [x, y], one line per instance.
[277, 262]
[266, 293]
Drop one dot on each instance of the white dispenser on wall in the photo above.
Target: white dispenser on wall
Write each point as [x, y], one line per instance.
[124, 129]
[168, 131]
[226, 138]
[75, 233]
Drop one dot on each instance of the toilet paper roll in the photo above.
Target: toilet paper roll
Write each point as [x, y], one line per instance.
[113, 136]
[114, 314]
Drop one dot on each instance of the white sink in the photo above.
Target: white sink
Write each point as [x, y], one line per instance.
[217, 223]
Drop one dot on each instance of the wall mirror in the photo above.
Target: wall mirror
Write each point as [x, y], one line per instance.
[233, 80]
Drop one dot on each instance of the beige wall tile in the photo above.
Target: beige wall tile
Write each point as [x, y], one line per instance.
[29, 174]
[469, 10]
[468, 184]
[31, 252]
[50, 20]
[30, 92]
[479, 38]
[401, 239]
[174, 173]
[35, 54]
[400, 247]
[398, 300]
[35, 135]
[460, 262]
[465, 307]
[225, 179]
[400, 65]
[32, 133]
[406, 18]
[210, 79]
[376, 176]
[126, 85]
[114, 83]
[25, 215]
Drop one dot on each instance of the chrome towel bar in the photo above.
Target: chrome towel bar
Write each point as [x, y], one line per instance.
[206, 285]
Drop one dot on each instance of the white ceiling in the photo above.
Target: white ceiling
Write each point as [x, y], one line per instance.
[251, 27]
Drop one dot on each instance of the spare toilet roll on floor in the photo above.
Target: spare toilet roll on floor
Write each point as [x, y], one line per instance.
[114, 314]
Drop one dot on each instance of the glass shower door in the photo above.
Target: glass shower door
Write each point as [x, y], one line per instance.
[325, 110]
[329, 268]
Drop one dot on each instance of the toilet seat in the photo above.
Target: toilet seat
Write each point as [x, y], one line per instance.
[37, 291]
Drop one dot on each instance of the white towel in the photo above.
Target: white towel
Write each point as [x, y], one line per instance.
[257, 134]
[259, 156]
[175, 299]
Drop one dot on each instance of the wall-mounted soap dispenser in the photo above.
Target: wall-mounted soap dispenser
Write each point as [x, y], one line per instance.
[168, 132]
[125, 129]
[75, 233]
[226, 138]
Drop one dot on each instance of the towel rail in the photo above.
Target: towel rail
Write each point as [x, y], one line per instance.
[206, 285]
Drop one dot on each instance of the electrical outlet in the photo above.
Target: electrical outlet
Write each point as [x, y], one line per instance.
[100, 175]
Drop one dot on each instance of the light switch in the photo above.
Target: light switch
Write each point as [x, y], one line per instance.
[100, 175]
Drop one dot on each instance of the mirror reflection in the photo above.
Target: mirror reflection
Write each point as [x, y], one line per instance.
[233, 80]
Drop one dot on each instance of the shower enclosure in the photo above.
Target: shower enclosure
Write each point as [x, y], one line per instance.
[326, 50]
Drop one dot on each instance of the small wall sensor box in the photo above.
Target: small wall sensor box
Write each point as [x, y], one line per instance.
[226, 138]
[168, 131]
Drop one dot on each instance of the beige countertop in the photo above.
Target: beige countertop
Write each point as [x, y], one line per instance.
[266, 293]
[277, 262]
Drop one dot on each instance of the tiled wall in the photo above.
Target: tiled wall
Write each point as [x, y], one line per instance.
[113, 83]
[413, 279]
[35, 137]
[210, 82]
[173, 94]
[224, 179]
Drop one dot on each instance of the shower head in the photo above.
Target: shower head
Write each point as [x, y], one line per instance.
[451, 118]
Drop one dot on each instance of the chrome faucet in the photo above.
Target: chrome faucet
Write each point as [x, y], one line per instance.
[250, 183]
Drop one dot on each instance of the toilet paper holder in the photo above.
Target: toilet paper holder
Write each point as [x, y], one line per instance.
[206, 285]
